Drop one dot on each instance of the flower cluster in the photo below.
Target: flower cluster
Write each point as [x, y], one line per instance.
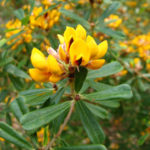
[15, 26]
[45, 21]
[76, 49]
[113, 21]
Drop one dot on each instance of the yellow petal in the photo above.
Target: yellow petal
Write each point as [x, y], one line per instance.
[103, 46]
[95, 64]
[38, 75]
[69, 36]
[62, 54]
[38, 59]
[92, 46]
[79, 53]
[53, 65]
[80, 32]
[54, 78]
[61, 39]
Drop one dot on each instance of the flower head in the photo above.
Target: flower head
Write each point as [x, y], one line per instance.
[45, 68]
[80, 49]
[76, 49]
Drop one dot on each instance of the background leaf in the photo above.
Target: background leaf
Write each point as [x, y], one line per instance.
[18, 107]
[122, 91]
[12, 69]
[84, 147]
[8, 133]
[31, 121]
[75, 17]
[106, 70]
[91, 126]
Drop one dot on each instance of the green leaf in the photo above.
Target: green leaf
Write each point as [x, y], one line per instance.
[91, 126]
[2, 42]
[18, 107]
[110, 10]
[97, 110]
[19, 13]
[110, 32]
[12, 69]
[3, 94]
[80, 76]
[25, 20]
[17, 83]
[36, 96]
[32, 3]
[98, 86]
[106, 70]
[57, 96]
[34, 92]
[38, 118]
[142, 139]
[84, 147]
[141, 85]
[5, 61]
[110, 103]
[75, 17]
[122, 91]
[8, 133]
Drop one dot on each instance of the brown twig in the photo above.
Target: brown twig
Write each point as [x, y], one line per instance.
[62, 126]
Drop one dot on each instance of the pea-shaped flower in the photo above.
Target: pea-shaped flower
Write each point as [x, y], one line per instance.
[80, 50]
[45, 68]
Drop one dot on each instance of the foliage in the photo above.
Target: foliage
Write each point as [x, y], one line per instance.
[88, 85]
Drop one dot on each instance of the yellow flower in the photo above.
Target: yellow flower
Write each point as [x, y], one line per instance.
[46, 69]
[16, 27]
[1, 139]
[40, 135]
[80, 49]
[116, 21]
[45, 21]
[131, 3]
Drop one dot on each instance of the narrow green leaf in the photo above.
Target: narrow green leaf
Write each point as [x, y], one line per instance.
[97, 110]
[18, 107]
[16, 82]
[8, 133]
[2, 42]
[75, 17]
[12, 69]
[32, 3]
[142, 139]
[3, 94]
[84, 147]
[5, 61]
[19, 13]
[110, 32]
[110, 103]
[38, 118]
[98, 86]
[35, 92]
[37, 99]
[106, 70]
[110, 10]
[57, 96]
[36, 96]
[91, 126]
[25, 20]
[80, 76]
[122, 91]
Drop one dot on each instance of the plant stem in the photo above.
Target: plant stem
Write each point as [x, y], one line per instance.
[62, 126]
